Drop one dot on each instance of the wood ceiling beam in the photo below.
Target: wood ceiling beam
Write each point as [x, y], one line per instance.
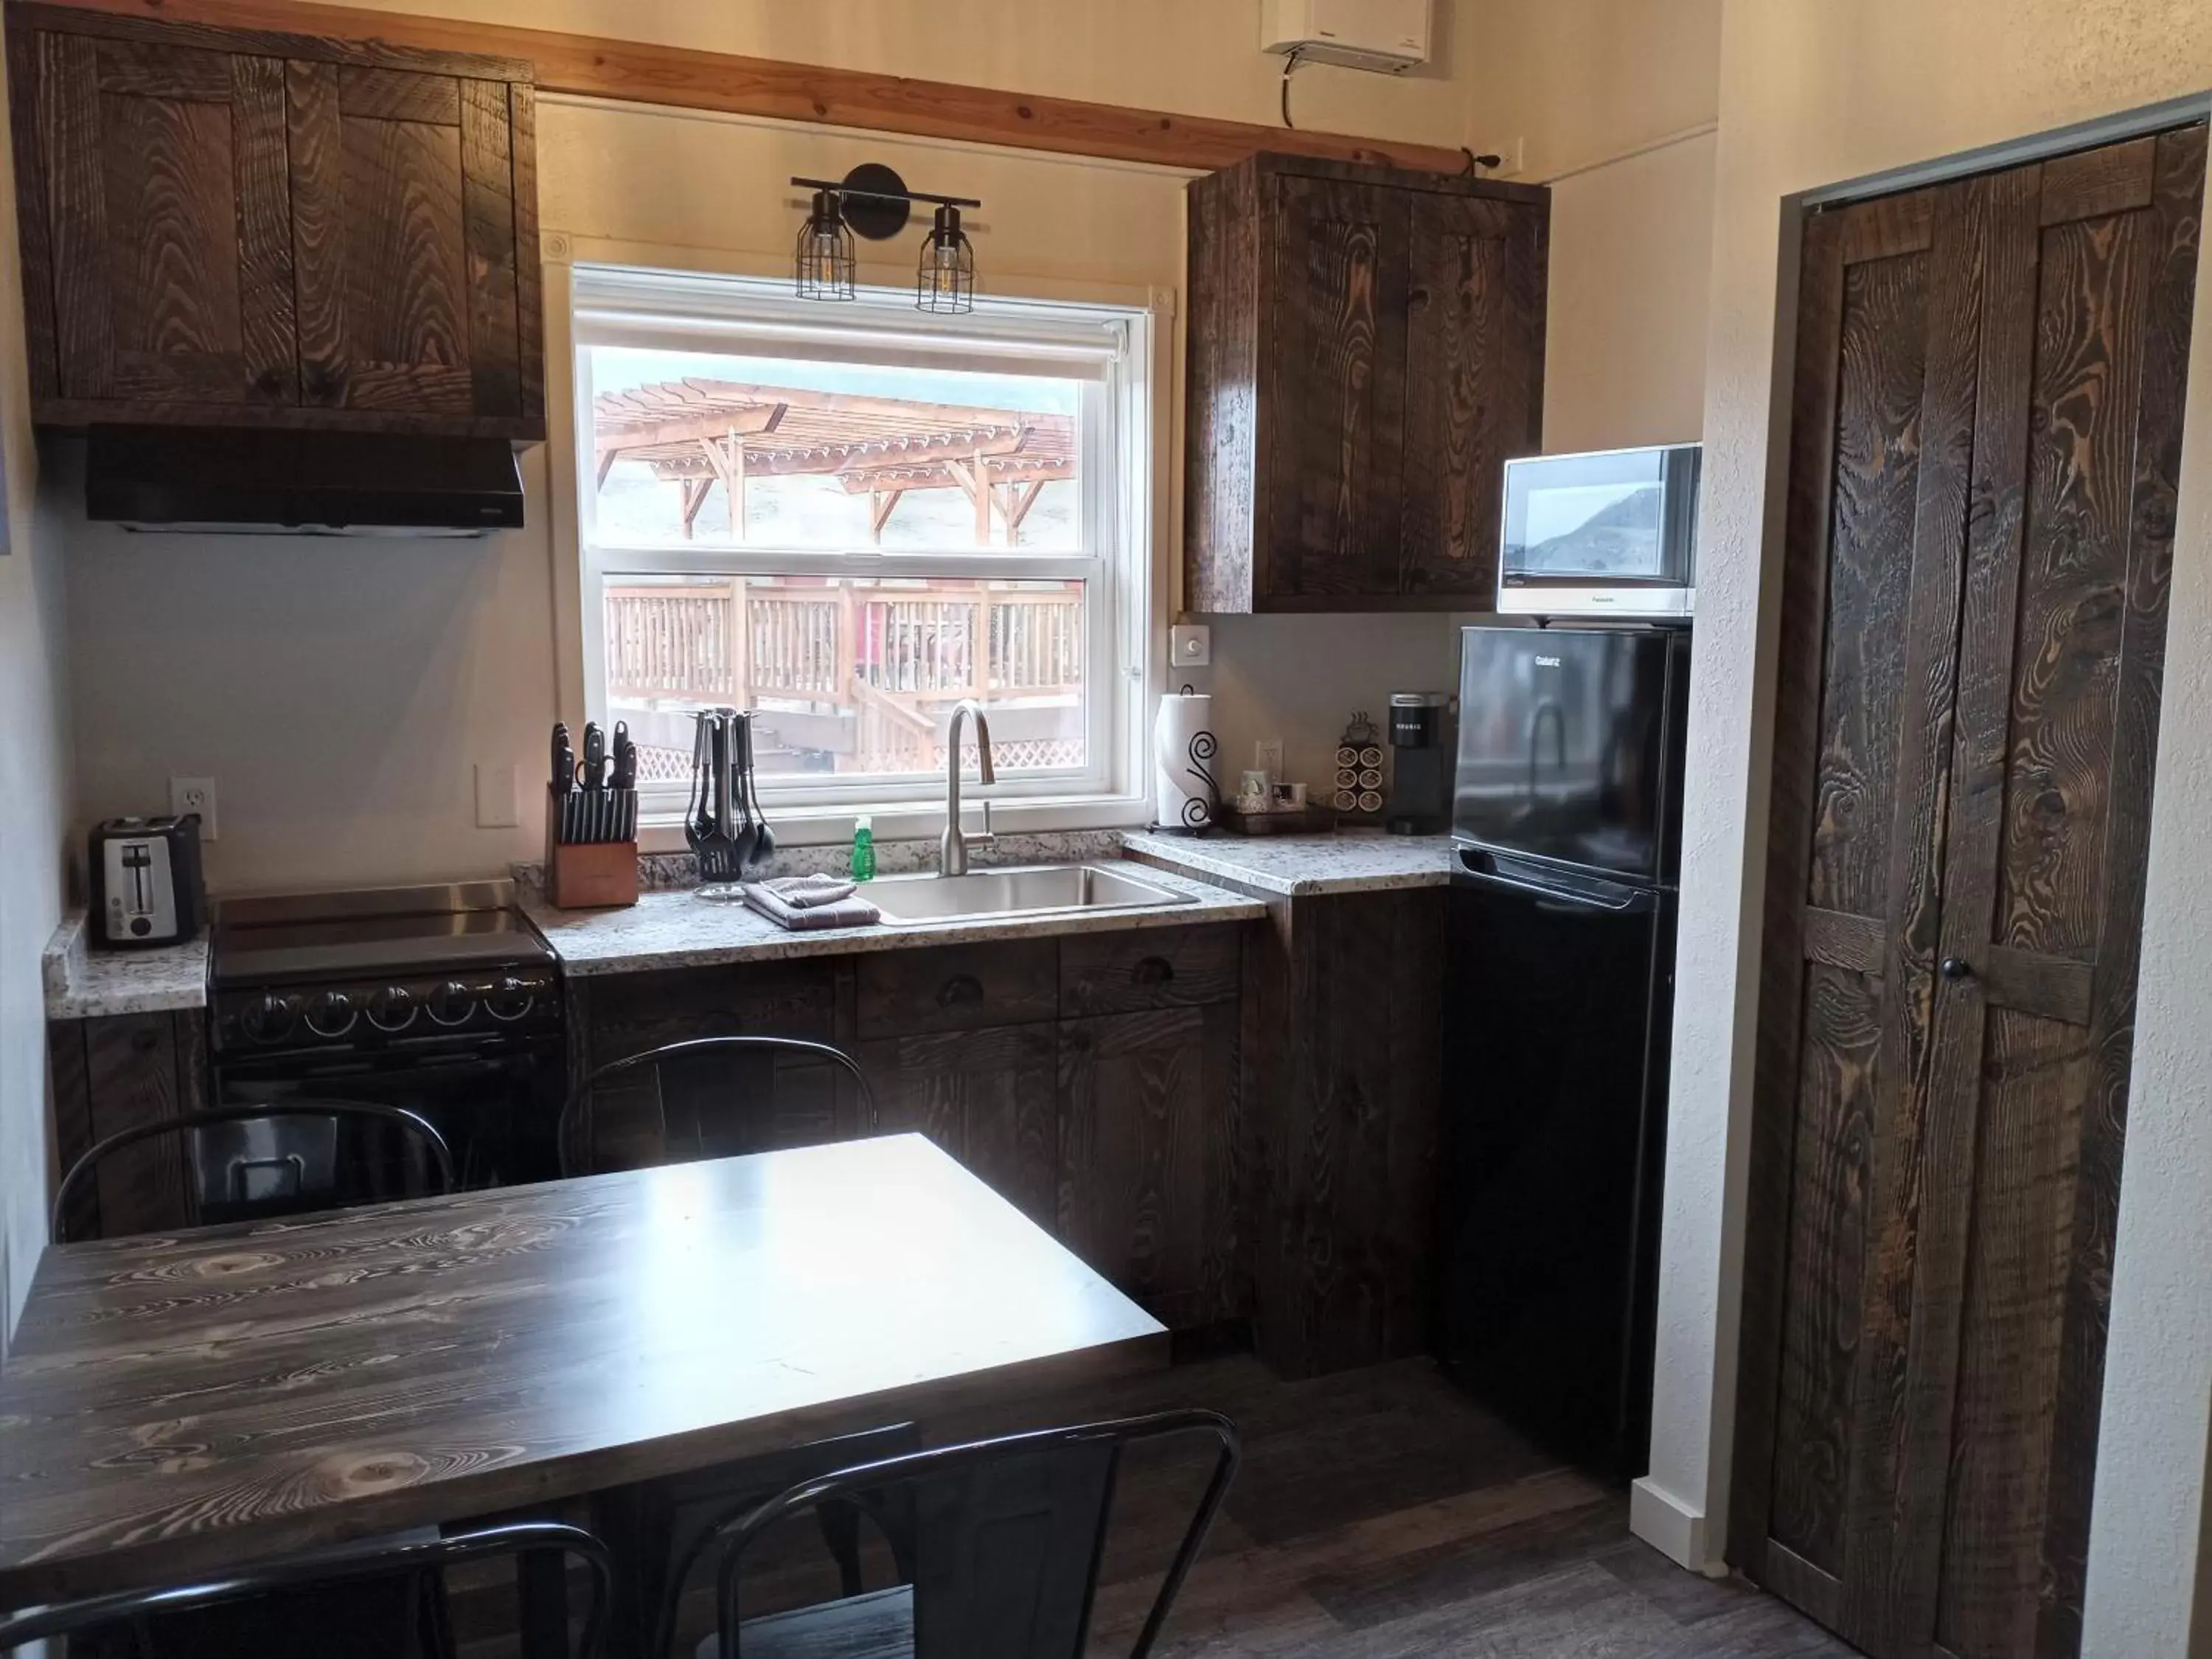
[695, 429]
[596, 66]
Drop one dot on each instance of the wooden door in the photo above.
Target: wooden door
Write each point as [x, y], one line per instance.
[1986, 434]
[1137, 1094]
[403, 201]
[160, 196]
[1336, 399]
[985, 1096]
[1475, 387]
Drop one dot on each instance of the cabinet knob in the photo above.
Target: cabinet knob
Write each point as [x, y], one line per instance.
[960, 991]
[1955, 968]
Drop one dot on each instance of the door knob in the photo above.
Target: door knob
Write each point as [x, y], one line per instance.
[1955, 968]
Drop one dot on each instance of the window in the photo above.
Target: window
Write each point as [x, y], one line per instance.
[849, 519]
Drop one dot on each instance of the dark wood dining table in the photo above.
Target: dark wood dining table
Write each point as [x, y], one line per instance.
[176, 1405]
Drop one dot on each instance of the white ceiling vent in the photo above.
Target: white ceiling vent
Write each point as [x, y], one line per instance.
[1389, 35]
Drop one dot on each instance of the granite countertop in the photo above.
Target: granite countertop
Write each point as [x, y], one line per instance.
[677, 930]
[1295, 866]
[81, 983]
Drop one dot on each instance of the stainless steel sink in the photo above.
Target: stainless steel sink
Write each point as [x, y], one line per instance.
[1038, 889]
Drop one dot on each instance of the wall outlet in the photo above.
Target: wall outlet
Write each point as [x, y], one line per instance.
[1190, 645]
[1512, 155]
[496, 798]
[194, 795]
[1268, 757]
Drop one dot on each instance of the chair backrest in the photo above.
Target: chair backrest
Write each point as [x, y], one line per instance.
[279, 1158]
[1008, 1533]
[326, 1570]
[715, 1096]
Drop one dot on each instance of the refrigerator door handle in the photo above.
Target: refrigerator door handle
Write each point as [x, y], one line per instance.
[1631, 901]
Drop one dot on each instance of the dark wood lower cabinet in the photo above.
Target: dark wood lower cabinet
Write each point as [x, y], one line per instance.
[116, 1074]
[985, 1096]
[1343, 1080]
[1092, 1081]
[1147, 1187]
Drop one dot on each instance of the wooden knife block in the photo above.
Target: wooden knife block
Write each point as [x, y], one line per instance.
[598, 876]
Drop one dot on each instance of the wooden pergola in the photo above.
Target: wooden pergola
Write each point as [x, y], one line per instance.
[696, 433]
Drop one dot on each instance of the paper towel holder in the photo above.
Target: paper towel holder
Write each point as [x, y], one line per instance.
[1187, 799]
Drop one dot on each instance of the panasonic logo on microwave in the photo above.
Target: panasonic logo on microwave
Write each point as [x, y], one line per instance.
[1548, 662]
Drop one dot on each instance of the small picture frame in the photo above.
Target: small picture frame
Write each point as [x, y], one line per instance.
[1288, 797]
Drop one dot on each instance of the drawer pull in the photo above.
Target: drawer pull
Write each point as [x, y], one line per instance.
[962, 990]
[1153, 971]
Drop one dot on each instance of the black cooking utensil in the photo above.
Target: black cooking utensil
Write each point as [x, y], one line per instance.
[763, 844]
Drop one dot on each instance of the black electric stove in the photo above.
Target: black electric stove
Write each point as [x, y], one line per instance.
[444, 1001]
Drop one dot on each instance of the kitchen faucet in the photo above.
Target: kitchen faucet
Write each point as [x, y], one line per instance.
[952, 849]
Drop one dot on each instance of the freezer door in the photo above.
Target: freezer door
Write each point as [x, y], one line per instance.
[1570, 746]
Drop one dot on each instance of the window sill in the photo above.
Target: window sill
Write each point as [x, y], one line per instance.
[832, 826]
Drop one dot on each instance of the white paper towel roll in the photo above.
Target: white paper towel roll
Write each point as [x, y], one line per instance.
[1183, 748]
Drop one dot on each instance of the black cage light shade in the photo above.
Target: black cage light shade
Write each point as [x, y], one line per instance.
[872, 201]
[945, 280]
[823, 265]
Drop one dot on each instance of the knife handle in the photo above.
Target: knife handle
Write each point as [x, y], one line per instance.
[595, 757]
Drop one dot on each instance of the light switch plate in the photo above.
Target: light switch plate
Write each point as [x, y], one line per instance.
[194, 795]
[1190, 645]
[496, 802]
[1268, 757]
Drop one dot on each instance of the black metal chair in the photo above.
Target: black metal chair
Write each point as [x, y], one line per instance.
[292, 1609]
[710, 1096]
[265, 1176]
[1008, 1536]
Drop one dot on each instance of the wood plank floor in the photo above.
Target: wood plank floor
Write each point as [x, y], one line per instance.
[1379, 1515]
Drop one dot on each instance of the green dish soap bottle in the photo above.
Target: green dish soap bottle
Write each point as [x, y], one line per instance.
[863, 848]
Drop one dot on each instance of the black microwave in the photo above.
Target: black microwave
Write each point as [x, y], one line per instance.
[1611, 533]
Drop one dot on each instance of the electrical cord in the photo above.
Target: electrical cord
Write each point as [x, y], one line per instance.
[1289, 63]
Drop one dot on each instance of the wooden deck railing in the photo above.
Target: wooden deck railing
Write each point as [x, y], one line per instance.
[735, 643]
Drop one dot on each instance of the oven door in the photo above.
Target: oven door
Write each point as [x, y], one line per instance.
[497, 1109]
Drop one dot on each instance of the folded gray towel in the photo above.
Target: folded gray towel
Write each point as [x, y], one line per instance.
[803, 892]
[801, 918]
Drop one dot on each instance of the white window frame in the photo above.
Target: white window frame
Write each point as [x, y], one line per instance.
[1109, 348]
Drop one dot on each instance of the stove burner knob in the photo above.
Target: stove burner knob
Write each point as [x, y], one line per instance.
[390, 1009]
[514, 999]
[452, 1003]
[330, 1014]
[270, 1019]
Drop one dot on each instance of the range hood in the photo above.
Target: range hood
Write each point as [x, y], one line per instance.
[202, 479]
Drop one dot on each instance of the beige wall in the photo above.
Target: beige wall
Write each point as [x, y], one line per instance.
[1612, 103]
[34, 791]
[1632, 255]
[1815, 95]
[342, 693]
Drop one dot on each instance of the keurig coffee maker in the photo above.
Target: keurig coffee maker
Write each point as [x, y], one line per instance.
[1422, 754]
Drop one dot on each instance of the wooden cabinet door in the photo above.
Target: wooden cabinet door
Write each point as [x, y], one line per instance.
[1333, 345]
[157, 229]
[1144, 1186]
[403, 201]
[715, 1105]
[985, 1096]
[1988, 419]
[1475, 387]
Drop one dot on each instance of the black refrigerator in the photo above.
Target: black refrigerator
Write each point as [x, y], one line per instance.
[1566, 826]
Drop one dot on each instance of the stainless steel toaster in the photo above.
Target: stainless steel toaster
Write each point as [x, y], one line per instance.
[146, 882]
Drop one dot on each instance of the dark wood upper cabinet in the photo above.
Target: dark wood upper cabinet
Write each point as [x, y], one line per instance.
[1366, 351]
[234, 227]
